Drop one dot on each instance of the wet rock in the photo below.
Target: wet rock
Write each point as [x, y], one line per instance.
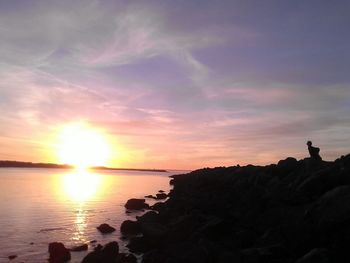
[136, 204]
[58, 253]
[129, 227]
[82, 247]
[105, 228]
[106, 254]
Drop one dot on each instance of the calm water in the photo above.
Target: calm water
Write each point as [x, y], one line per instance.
[39, 206]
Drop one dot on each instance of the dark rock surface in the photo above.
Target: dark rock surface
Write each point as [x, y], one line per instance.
[136, 204]
[58, 253]
[106, 254]
[11, 257]
[292, 211]
[105, 228]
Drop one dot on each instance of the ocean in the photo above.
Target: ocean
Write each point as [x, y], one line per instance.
[39, 206]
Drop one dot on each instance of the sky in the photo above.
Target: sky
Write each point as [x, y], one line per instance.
[177, 84]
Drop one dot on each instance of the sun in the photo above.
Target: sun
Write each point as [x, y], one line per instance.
[82, 146]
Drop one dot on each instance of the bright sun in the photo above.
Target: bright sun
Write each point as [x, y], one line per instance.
[82, 146]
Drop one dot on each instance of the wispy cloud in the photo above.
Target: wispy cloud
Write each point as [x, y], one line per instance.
[175, 84]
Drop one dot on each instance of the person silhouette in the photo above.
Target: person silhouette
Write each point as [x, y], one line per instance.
[313, 151]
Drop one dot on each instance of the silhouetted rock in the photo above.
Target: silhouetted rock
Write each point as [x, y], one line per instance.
[129, 227]
[105, 228]
[107, 254]
[136, 204]
[292, 211]
[82, 247]
[58, 253]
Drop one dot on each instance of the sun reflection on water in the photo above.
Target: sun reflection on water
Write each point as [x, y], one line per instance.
[80, 225]
[81, 185]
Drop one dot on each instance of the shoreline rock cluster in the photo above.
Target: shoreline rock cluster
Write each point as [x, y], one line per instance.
[293, 211]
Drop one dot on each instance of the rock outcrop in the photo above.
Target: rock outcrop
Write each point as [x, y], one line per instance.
[292, 211]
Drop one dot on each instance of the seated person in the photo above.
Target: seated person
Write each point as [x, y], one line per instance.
[314, 151]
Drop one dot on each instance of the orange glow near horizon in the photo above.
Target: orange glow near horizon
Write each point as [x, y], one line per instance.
[82, 146]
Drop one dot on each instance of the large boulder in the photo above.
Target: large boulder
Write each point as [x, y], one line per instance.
[58, 253]
[136, 204]
[129, 227]
[286, 166]
[105, 228]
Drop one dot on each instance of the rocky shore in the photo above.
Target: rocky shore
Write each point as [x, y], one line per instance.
[293, 211]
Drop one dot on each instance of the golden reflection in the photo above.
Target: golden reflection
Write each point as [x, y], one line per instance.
[80, 225]
[81, 185]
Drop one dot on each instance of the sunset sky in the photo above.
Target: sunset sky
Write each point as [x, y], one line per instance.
[176, 84]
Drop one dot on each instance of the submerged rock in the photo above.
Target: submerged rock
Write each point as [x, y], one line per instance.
[11, 257]
[58, 253]
[82, 247]
[105, 228]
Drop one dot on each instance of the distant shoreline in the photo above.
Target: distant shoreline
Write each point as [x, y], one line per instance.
[19, 164]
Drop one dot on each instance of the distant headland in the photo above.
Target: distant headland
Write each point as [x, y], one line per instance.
[19, 164]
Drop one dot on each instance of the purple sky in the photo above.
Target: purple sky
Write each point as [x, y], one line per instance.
[178, 84]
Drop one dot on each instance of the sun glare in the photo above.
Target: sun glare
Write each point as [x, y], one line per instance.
[81, 185]
[82, 146]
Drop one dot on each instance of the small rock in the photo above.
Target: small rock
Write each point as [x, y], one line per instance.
[12, 257]
[79, 248]
[105, 228]
[106, 254]
[58, 253]
[136, 204]
[161, 191]
[93, 241]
